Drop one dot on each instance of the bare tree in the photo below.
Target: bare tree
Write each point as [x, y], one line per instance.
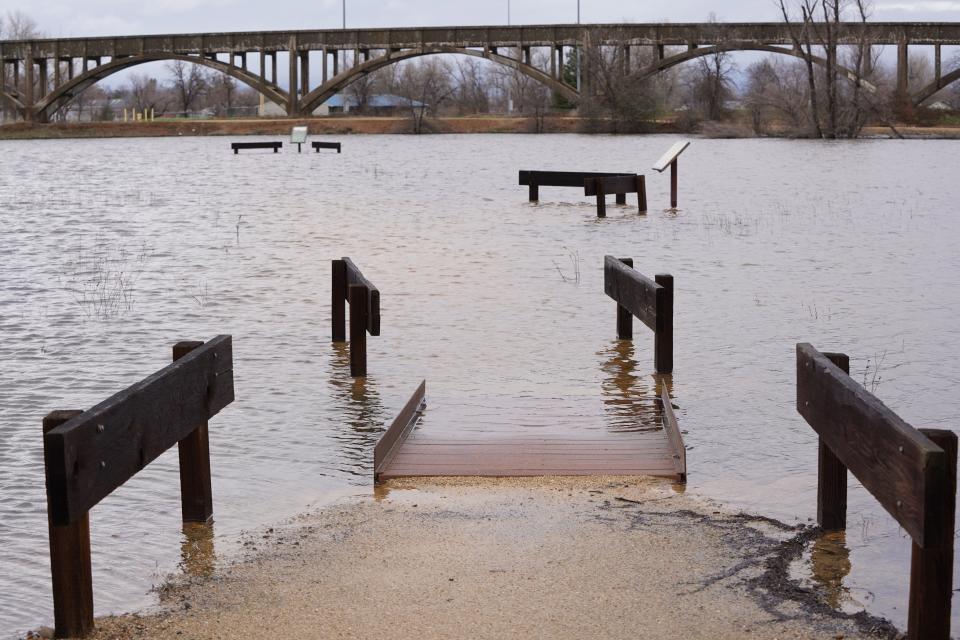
[844, 107]
[363, 89]
[146, 94]
[15, 25]
[189, 82]
[472, 82]
[426, 85]
[776, 94]
[617, 92]
[221, 93]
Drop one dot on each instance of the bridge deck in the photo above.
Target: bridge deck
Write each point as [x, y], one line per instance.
[422, 454]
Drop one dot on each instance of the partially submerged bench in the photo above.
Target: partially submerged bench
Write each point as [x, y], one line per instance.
[87, 455]
[350, 285]
[325, 145]
[237, 146]
[648, 300]
[537, 179]
[619, 185]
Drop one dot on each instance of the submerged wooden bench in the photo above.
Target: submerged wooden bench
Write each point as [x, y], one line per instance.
[236, 146]
[325, 145]
[536, 179]
[619, 185]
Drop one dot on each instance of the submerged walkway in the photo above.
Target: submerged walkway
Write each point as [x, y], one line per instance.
[423, 454]
[405, 452]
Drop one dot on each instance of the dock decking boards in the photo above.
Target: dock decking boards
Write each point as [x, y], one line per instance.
[405, 451]
[423, 454]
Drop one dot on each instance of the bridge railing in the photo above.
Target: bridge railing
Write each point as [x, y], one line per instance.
[650, 301]
[350, 285]
[911, 472]
[89, 454]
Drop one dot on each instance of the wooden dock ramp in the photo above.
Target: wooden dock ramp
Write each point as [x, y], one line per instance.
[405, 452]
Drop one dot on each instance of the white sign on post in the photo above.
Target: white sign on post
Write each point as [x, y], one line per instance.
[298, 135]
[667, 159]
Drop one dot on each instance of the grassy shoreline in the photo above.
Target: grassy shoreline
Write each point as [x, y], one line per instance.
[381, 125]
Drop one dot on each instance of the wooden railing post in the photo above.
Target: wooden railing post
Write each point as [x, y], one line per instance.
[196, 492]
[338, 297]
[663, 336]
[931, 567]
[832, 474]
[642, 193]
[624, 317]
[673, 184]
[601, 200]
[70, 563]
[359, 302]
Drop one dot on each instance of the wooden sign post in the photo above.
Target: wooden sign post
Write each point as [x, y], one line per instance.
[669, 159]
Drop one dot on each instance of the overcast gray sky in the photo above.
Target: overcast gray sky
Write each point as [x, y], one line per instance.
[120, 17]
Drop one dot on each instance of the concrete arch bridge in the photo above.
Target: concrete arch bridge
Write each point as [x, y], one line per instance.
[43, 76]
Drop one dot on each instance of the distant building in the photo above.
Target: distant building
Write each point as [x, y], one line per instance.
[382, 104]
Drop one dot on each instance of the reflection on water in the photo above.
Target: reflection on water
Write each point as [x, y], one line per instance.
[357, 405]
[630, 401]
[810, 244]
[197, 556]
[830, 564]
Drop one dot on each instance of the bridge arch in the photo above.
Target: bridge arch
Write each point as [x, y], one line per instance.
[340, 82]
[8, 99]
[935, 87]
[700, 52]
[69, 90]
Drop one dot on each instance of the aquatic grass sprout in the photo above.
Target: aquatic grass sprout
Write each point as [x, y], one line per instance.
[574, 257]
[102, 278]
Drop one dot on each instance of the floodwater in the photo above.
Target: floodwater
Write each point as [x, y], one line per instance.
[113, 250]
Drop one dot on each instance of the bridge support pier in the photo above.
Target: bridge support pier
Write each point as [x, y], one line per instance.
[936, 65]
[305, 73]
[293, 97]
[323, 75]
[903, 74]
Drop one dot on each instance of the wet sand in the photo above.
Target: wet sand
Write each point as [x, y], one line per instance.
[533, 558]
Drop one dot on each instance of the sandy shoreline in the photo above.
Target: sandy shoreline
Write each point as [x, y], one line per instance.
[545, 558]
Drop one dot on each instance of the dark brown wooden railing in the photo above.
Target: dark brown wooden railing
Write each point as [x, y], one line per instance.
[651, 302]
[349, 285]
[911, 472]
[89, 454]
[390, 442]
[674, 437]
